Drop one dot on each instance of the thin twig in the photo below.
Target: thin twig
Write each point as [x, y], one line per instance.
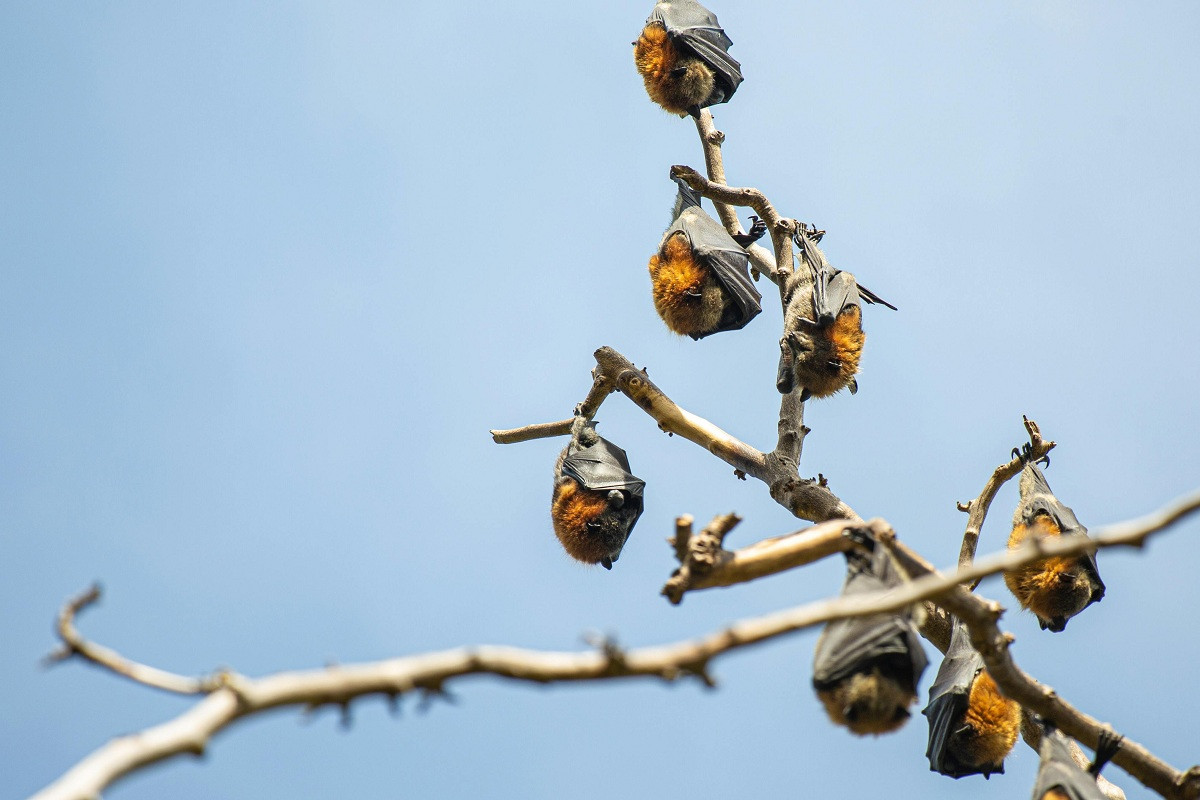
[73, 644]
[977, 509]
[602, 387]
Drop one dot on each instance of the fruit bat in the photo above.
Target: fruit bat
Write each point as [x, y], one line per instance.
[596, 499]
[823, 338]
[866, 669]
[683, 58]
[1060, 778]
[972, 727]
[1055, 589]
[700, 274]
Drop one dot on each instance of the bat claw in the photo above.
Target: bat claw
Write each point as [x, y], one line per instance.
[757, 230]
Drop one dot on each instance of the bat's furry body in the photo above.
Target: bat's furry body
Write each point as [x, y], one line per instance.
[1054, 589]
[972, 726]
[868, 703]
[991, 722]
[678, 82]
[596, 501]
[834, 351]
[585, 525]
[823, 341]
[686, 295]
[866, 669]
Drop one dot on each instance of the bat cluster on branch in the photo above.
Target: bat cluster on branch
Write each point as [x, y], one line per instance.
[869, 658]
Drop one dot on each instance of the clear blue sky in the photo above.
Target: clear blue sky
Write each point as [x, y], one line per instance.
[272, 271]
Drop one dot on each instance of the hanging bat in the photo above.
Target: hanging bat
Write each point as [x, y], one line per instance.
[1060, 778]
[683, 58]
[700, 274]
[865, 670]
[972, 727]
[823, 322]
[1054, 589]
[596, 499]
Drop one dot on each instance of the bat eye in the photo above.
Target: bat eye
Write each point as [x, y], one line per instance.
[900, 715]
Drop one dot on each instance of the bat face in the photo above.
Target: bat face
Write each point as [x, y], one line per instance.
[972, 726]
[1054, 589]
[596, 501]
[683, 58]
[700, 276]
[865, 670]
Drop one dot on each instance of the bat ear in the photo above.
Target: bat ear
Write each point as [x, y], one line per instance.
[606, 563]
[805, 394]
[853, 385]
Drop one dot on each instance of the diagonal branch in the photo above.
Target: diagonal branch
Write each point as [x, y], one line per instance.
[806, 499]
[981, 617]
[710, 141]
[977, 509]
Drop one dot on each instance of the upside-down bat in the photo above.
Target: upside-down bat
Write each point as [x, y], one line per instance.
[866, 669]
[1054, 589]
[1060, 778]
[824, 338]
[700, 274]
[596, 500]
[683, 58]
[972, 727]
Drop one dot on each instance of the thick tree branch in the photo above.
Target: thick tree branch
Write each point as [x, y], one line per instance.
[239, 697]
[806, 499]
[977, 509]
[702, 567]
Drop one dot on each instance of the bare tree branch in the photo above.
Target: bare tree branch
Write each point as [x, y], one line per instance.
[977, 509]
[701, 568]
[73, 644]
[602, 387]
[806, 499]
[710, 141]
[238, 697]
